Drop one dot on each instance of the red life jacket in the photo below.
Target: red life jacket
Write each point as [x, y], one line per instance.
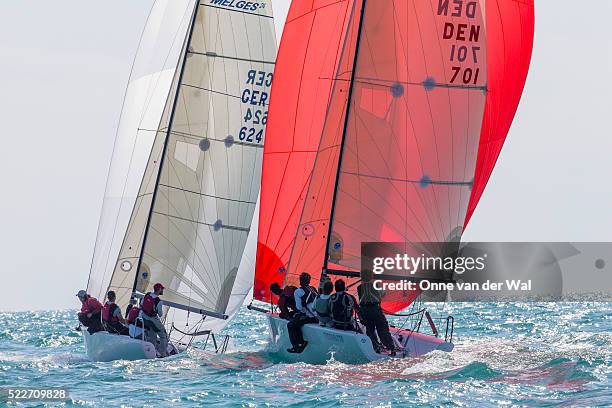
[149, 305]
[286, 298]
[91, 305]
[108, 313]
[289, 291]
[133, 315]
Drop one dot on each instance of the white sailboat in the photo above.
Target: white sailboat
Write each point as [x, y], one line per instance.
[185, 174]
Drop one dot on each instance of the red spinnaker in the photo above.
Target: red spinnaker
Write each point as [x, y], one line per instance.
[376, 128]
[510, 31]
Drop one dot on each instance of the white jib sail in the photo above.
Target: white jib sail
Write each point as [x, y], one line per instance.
[145, 99]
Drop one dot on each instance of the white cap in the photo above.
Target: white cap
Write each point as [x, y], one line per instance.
[81, 293]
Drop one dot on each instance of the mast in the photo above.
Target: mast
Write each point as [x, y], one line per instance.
[344, 131]
[166, 142]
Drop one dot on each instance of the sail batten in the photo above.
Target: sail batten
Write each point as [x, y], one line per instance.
[215, 55]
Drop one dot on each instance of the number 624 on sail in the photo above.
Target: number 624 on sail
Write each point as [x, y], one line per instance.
[251, 134]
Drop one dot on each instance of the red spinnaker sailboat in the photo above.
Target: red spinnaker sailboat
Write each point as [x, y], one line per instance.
[385, 123]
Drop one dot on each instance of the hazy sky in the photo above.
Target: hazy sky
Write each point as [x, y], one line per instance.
[64, 66]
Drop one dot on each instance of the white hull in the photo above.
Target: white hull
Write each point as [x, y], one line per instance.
[346, 346]
[103, 346]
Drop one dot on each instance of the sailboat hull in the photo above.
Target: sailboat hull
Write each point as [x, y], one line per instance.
[346, 346]
[103, 346]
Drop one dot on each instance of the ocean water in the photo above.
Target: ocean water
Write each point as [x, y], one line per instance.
[506, 354]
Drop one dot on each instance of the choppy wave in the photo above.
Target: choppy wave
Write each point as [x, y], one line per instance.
[506, 354]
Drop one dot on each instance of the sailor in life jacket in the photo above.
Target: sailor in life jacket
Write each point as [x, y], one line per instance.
[304, 297]
[151, 312]
[343, 308]
[91, 312]
[111, 316]
[286, 300]
[322, 304]
[134, 320]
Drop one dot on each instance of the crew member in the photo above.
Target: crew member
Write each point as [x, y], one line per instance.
[322, 304]
[151, 312]
[130, 306]
[286, 300]
[343, 308]
[372, 314]
[90, 314]
[134, 321]
[304, 302]
[111, 316]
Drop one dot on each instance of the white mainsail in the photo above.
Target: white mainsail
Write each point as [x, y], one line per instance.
[186, 169]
